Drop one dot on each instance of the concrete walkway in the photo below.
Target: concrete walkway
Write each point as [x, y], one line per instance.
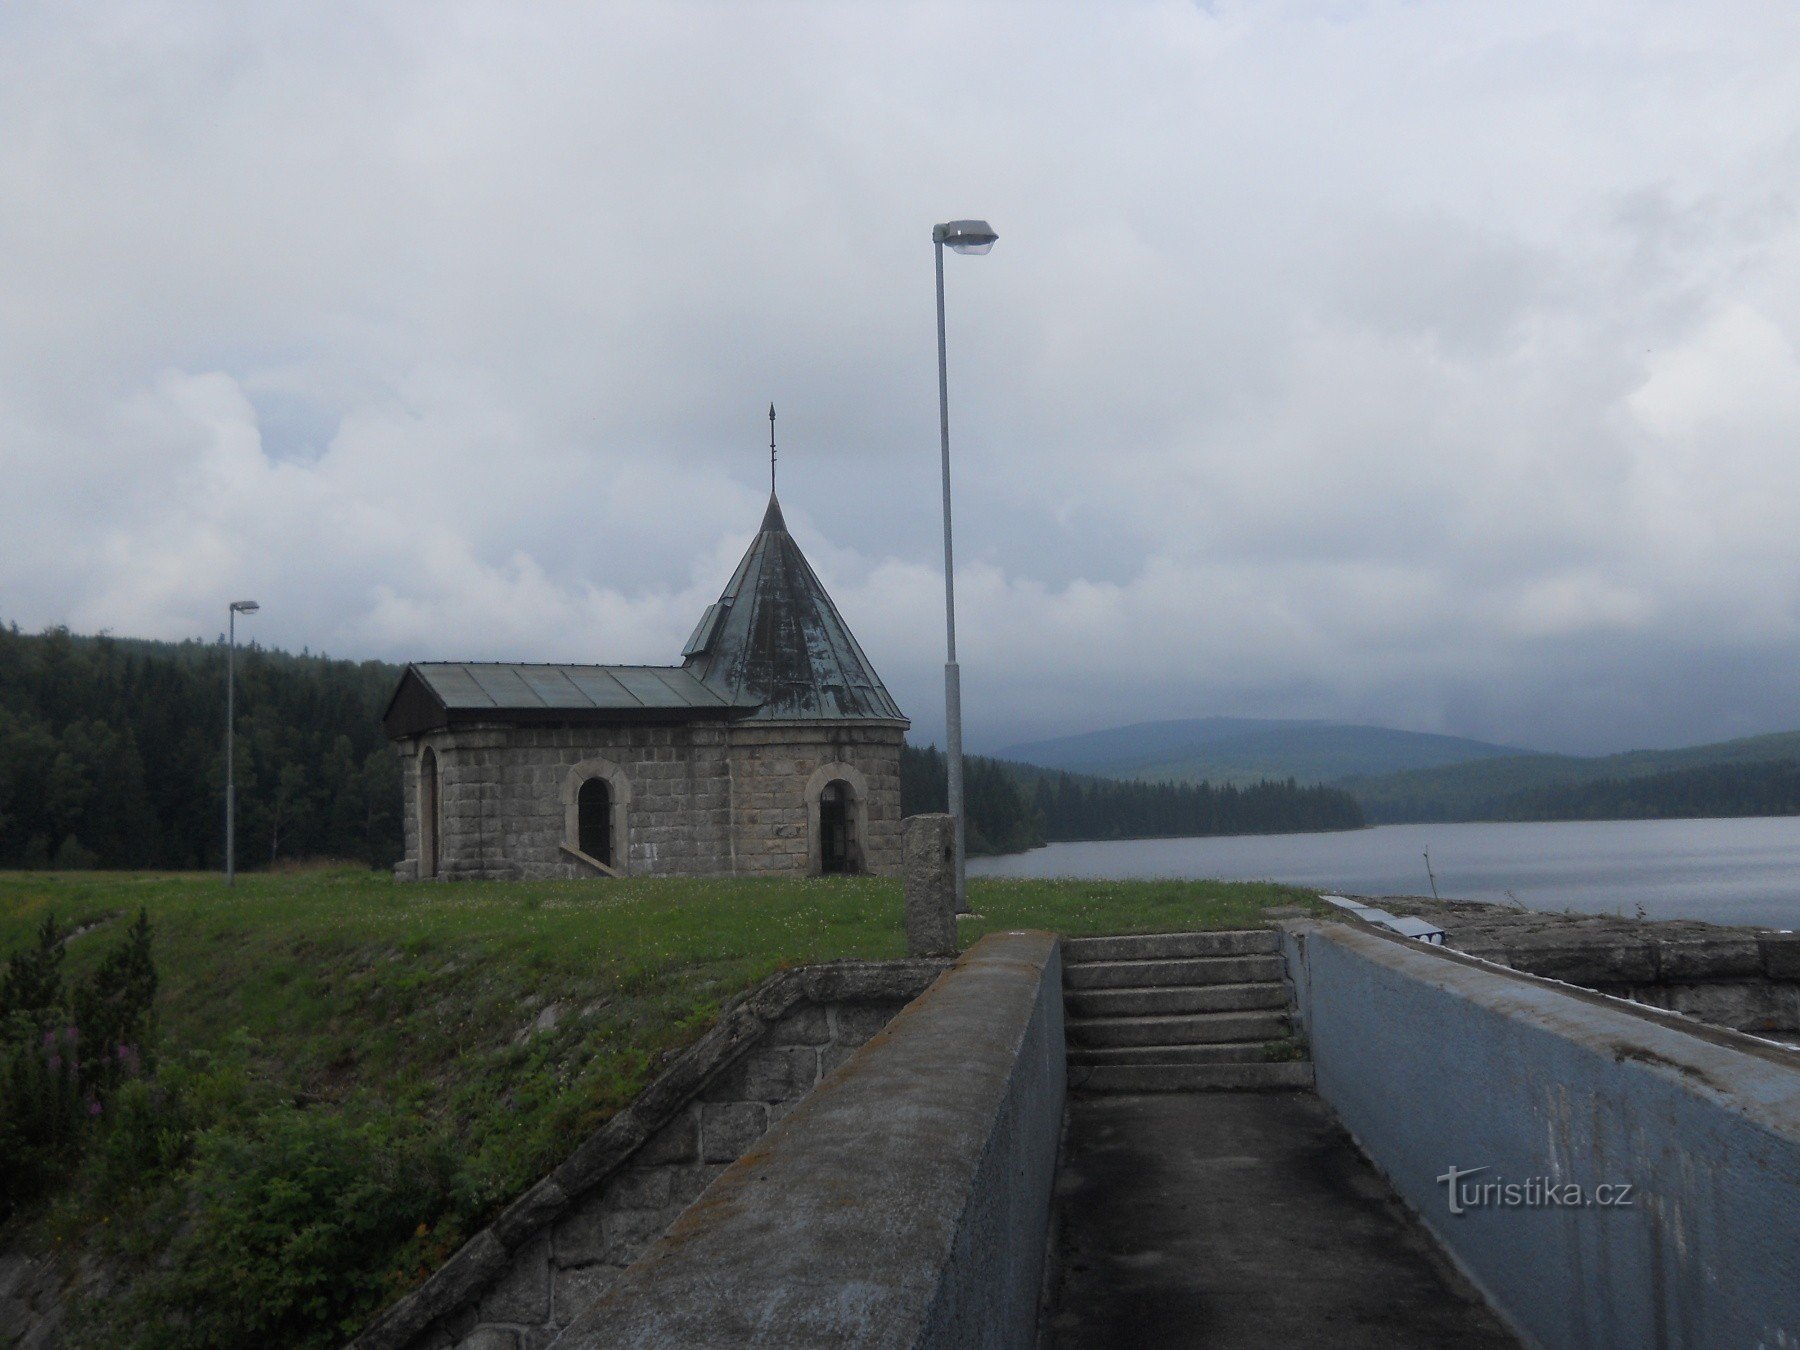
[1243, 1219]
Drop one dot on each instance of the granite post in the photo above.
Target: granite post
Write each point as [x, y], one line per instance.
[928, 854]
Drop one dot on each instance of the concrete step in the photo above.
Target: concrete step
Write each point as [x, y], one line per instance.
[1197, 998]
[1188, 970]
[1165, 946]
[1229, 1052]
[1287, 1076]
[1182, 1029]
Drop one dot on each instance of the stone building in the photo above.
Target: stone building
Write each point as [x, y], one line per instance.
[772, 750]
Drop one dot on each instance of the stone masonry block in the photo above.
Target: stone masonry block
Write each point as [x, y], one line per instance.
[929, 845]
[629, 1231]
[854, 1023]
[1781, 955]
[638, 1188]
[805, 1025]
[578, 1239]
[728, 1128]
[523, 1293]
[531, 1212]
[676, 1142]
[770, 1075]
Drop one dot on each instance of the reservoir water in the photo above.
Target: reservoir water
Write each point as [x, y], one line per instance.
[1744, 871]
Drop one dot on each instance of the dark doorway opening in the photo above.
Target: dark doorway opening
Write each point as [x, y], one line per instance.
[837, 829]
[594, 820]
[428, 814]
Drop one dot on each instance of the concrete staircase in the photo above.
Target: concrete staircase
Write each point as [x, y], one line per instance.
[1179, 1012]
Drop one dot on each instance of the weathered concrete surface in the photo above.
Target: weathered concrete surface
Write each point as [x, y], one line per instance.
[1434, 1061]
[928, 863]
[1242, 1219]
[1747, 979]
[904, 1203]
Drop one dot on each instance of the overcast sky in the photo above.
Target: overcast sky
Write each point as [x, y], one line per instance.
[1426, 364]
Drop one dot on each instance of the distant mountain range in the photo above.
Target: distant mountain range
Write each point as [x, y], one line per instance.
[1394, 775]
[1245, 750]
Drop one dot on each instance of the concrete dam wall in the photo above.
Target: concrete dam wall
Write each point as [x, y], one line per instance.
[904, 1203]
[1453, 1073]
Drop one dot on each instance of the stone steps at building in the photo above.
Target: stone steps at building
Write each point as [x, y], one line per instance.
[1130, 1056]
[1180, 1029]
[1089, 974]
[1154, 1000]
[1180, 1012]
[1167, 946]
[1285, 1076]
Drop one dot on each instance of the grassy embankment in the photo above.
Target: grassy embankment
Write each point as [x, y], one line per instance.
[450, 1041]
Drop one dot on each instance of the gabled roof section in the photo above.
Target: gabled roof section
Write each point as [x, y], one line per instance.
[775, 640]
[443, 693]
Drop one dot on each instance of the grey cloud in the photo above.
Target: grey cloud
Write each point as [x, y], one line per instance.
[1424, 365]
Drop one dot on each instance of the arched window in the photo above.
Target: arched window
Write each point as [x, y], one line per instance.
[594, 823]
[428, 814]
[839, 848]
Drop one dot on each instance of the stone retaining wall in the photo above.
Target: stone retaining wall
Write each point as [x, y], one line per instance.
[562, 1243]
[1742, 978]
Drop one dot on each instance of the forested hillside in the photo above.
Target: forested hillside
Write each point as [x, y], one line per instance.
[112, 755]
[1249, 751]
[1502, 789]
[1018, 806]
[1766, 788]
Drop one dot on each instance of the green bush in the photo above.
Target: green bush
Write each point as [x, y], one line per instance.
[64, 1054]
[299, 1223]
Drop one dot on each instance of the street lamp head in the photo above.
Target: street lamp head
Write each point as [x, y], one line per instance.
[965, 236]
[244, 606]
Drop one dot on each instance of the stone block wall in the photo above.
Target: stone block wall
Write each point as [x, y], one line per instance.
[503, 810]
[775, 767]
[562, 1243]
[699, 799]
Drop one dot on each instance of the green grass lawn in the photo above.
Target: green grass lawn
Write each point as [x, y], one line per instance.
[498, 1021]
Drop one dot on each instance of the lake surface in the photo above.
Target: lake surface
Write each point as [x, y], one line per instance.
[1721, 871]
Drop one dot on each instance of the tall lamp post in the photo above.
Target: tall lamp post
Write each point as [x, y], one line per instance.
[237, 607]
[963, 236]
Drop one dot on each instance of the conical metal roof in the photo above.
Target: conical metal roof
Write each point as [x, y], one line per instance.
[775, 639]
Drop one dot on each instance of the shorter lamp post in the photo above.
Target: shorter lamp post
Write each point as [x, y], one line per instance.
[237, 607]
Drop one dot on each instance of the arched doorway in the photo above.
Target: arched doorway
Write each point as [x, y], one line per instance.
[596, 797]
[837, 819]
[428, 814]
[594, 822]
[839, 849]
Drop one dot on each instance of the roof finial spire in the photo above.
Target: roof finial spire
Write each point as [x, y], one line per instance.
[771, 449]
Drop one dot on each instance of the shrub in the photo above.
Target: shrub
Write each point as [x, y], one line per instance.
[296, 1219]
[63, 1055]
